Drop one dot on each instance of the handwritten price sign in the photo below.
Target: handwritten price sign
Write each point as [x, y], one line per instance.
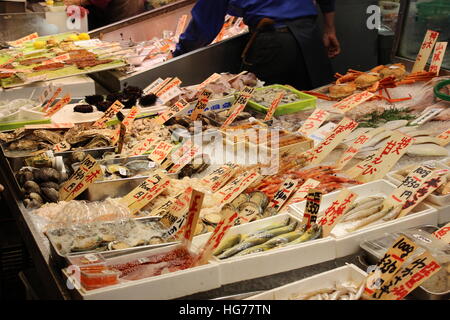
[238, 105]
[315, 120]
[353, 101]
[109, 114]
[425, 50]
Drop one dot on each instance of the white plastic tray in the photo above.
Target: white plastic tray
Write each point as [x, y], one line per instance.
[167, 286]
[273, 261]
[349, 244]
[323, 280]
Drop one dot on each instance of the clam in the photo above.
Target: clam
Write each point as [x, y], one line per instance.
[31, 187]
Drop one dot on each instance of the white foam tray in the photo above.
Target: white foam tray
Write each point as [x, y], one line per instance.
[167, 286]
[323, 280]
[273, 261]
[349, 244]
[443, 213]
[442, 201]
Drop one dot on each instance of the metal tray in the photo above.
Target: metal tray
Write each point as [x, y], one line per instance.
[372, 256]
[60, 260]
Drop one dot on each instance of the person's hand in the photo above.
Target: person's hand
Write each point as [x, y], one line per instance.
[331, 43]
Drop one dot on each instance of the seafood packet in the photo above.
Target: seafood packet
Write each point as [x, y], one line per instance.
[438, 284]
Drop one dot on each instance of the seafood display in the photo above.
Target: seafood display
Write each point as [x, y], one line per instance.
[279, 234]
[106, 236]
[265, 96]
[9, 108]
[342, 290]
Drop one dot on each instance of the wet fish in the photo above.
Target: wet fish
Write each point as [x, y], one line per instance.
[256, 240]
[314, 232]
[275, 225]
[260, 248]
[372, 218]
[285, 238]
[379, 137]
[363, 213]
[228, 243]
[393, 213]
[427, 150]
[365, 203]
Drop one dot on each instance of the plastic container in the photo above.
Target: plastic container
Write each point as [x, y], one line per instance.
[307, 101]
[349, 243]
[251, 266]
[432, 289]
[323, 280]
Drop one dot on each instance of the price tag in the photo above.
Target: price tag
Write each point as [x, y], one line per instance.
[179, 106]
[109, 114]
[302, 192]
[315, 120]
[234, 188]
[201, 104]
[52, 99]
[149, 189]
[425, 50]
[228, 219]
[185, 159]
[192, 217]
[61, 147]
[59, 105]
[273, 106]
[433, 182]
[410, 277]
[211, 78]
[320, 134]
[152, 86]
[126, 125]
[143, 146]
[21, 41]
[171, 84]
[88, 172]
[402, 249]
[174, 208]
[60, 125]
[319, 153]
[426, 116]
[218, 177]
[356, 145]
[334, 213]
[443, 233]
[50, 89]
[181, 25]
[376, 167]
[2, 70]
[438, 57]
[161, 151]
[177, 153]
[312, 207]
[283, 194]
[409, 185]
[60, 58]
[444, 137]
[353, 101]
[238, 105]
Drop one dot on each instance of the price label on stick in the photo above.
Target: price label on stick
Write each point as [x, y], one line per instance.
[334, 138]
[443, 233]
[52, 99]
[59, 105]
[174, 208]
[353, 101]
[179, 106]
[210, 79]
[181, 25]
[201, 104]
[315, 120]
[49, 90]
[312, 207]
[238, 105]
[438, 57]
[425, 50]
[236, 186]
[402, 249]
[88, 172]
[356, 145]
[149, 189]
[21, 41]
[273, 106]
[161, 151]
[302, 192]
[109, 114]
[184, 160]
[283, 194]
[410, 277]
[218, 177]
[152, 86]
[444, 138]
[61, 147]
[228, 219]
[192, 217]
[143, 146]
[336, 211]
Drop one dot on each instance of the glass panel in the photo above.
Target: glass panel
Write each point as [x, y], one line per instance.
[421, 16]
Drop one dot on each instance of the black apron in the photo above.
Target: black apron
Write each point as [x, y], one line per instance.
[294, 55]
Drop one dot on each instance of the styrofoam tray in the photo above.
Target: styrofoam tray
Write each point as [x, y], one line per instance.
[433, 198]
[167, 286]
[349, 244]
[443, 212]
[323, 280]
[273, 261]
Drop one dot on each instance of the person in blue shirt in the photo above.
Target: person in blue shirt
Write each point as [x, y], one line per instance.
[285, 45]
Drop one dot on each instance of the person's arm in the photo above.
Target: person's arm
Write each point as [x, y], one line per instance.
[330, 39]
[207, 21]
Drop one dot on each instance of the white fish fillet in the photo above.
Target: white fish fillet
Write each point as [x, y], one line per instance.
[427, 150]
[379, 137]
[393, 125]
[426, 139]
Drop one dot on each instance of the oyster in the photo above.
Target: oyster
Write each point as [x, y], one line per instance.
[49, 136]
[13, 136]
